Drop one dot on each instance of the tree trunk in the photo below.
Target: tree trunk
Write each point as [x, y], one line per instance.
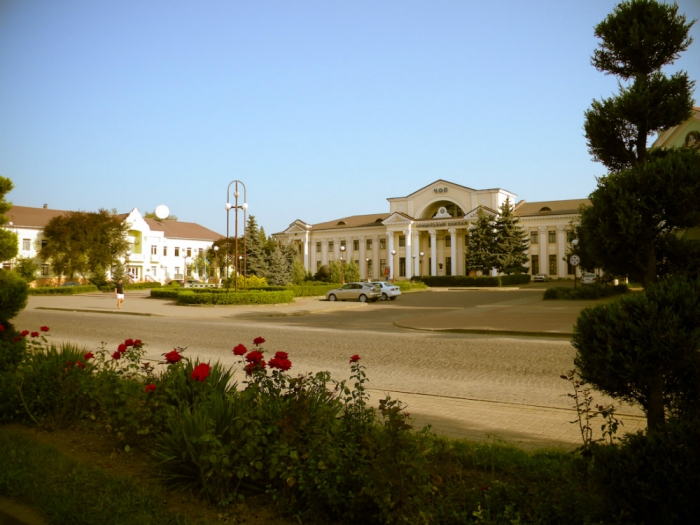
[656, 416]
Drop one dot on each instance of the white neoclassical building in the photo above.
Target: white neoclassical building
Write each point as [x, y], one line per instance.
[425, 233]
[159, 251]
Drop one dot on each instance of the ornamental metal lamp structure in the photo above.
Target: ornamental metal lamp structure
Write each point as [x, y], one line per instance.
[574, 243]
[420, 263]
[235, 206]
[367, 261]
[393, 271]
[216, 258]
[342, 265]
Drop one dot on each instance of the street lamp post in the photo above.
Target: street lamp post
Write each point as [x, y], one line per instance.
[393, 271]
[367, 261]
[184, 271]
[420, 263]
[216, 258]
[235, 206]
[413, 268]
[574, 263]
[342, 265]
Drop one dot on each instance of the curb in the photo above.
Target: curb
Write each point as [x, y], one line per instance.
[486, 331]
[96, 311]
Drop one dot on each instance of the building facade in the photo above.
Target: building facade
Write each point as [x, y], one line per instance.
[426, 233]
[159, 250]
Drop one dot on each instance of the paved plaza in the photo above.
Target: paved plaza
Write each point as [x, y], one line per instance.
[475, 364]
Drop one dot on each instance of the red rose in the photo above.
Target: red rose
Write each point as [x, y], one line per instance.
[280, 363]
[80, 364]
[44, 328]
[129, 342]
[24, 333]
[68, 363]
[122, 348]
[252, 367]
[137, 342]
[281, 355]
[239, 350]
[88, 355]
[355, 358]
[18, 338]
[116, 355]
[2, 328]
[150, 387]
[254, 357]
[35, 334]
[172, 357]
[200, 372]
[258, 341]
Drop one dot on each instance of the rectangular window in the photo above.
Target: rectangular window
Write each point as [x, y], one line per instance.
[189, 252]
[165, 251]
[402, 241]
[369, 244]
[177, 251]
[402, 266]
[153, 270]
[535, 266]
[356, 244]
[44, 242]
[44, 269]
[26, 245]
[448, 241]
[369, 268]
[553, 265]
[200, 250]
[448, 265]
[382, 244]
[177, 270]
[154, 250]
[534, 237]
[330, 246]
[189, 272]
[342, 243]
[552, 237]
[382, 265]
[318, 247]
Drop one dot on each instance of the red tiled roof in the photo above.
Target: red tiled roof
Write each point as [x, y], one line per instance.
[26, 217]
[354, 221]
[183, 230]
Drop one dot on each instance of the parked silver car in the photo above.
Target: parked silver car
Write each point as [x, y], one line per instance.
[362, 292]
[540, 278]
[389, 290]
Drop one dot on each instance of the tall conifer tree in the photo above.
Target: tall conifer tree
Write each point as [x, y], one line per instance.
[510, 242]
[481, 244]
[255, 250]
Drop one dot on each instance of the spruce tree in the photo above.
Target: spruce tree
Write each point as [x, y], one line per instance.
[255, 249]
[481, 244]
[9, 243]
[510, 242]
[278, 269]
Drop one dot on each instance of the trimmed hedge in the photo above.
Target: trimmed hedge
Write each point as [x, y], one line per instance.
[295, 290]
[189, 297]
[406, 286]
[165, 293]
[304, 290]
[482, 281]
[585, 292]
[63, 290]
[132, 286]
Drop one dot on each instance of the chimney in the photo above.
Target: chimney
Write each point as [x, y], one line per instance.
[46, 206]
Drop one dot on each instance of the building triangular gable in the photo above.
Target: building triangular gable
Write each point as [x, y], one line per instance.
[439, 181]
[397, 218]
[474, 213]
[686, 133]
[298, 226]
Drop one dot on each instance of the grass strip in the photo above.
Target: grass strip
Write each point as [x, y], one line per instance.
[66, 491]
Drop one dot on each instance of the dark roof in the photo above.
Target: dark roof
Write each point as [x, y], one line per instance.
[183, 230]
[571, 206]
[355, 221]
[26, 217]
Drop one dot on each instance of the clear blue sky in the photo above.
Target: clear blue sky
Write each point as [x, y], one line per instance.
[322, 108]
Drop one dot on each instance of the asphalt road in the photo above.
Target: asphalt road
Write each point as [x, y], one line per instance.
[484, 372]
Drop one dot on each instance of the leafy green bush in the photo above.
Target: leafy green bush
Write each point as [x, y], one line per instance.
[585, 292]
[64, 290]
[405, 286]
[131, 286]
[13, 295]
[165, 293]
[189, 297]
[481, 281]
[306, 290]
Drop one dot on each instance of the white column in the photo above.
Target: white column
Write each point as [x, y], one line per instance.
[375, 257]
[407, 234]
[453, 251]
[306, 251]
[363, 263]
[433, 252]
[390, 248]
[324, 251]
[416, 252]
[561, 250]
[544, 262]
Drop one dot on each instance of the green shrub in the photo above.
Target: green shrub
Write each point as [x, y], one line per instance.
[305, 290]
[584, 292]
[189, 297]
[405, 286]
[13, 295]
[64, 290]
[653, 477]
[165, 293]
[481, 281]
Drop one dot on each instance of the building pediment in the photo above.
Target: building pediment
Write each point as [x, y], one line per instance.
[397, 218]
[472, 215]
[298, 226]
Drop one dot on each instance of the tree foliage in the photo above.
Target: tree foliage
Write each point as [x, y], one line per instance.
[481, 243]
[26, 268]
[636, 40]
[255, 249]
[278, 268]
[510, 242]
[152, 215]
[84, 243]
[13, 295]
[645, 348]
[8, 239]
